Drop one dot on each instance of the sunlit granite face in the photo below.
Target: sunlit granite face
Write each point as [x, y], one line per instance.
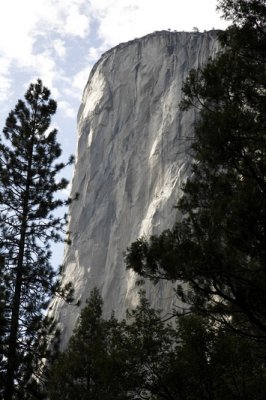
[132, 158]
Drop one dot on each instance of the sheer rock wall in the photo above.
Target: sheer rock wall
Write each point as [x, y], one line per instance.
[132, 158]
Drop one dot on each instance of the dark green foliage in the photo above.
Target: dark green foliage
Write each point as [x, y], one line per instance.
[143, 358]
[244, 12]
[107, 359]
[3, 322]
[219, 247]
[75, 373]
[212, 363]
[81, 372]
[28, 182]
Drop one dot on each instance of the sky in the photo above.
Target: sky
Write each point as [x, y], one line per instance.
[59, 41]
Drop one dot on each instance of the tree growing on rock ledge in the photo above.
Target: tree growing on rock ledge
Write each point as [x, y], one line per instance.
[28, 184]
[219, 247]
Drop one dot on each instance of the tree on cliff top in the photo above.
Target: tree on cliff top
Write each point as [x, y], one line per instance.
[219, 246]
[28, 183]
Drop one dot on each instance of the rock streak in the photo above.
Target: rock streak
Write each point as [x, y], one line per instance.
[132, 158]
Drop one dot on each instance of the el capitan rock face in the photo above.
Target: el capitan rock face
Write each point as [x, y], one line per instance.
[132, 157]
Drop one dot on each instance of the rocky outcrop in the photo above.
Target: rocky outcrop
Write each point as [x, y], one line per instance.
[132, 157]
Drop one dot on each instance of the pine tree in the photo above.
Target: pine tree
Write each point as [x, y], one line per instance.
[28, 182]
[219, 247]
[83, 370]
[114, 360]
[142, 357]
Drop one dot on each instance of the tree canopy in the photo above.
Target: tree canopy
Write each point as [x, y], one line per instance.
[29, 181]
[142, 357]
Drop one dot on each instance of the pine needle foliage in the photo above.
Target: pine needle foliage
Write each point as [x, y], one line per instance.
[29, 169]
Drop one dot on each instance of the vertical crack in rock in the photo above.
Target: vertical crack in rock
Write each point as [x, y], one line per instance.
[132, 158]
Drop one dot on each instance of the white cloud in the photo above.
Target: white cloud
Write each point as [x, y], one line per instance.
[52, 39]
[5, 88]
[4, 66]
[43, 66]
[76, 23]
[122, 20]
[81, 78]
[66, 108]
[5, 81]
[74, 86]
[94, 53]
[59, 47]
[23, 23]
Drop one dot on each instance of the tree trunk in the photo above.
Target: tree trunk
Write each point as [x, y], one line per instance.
[13, 337]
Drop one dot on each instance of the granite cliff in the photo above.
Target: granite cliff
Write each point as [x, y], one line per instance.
[132, 157]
